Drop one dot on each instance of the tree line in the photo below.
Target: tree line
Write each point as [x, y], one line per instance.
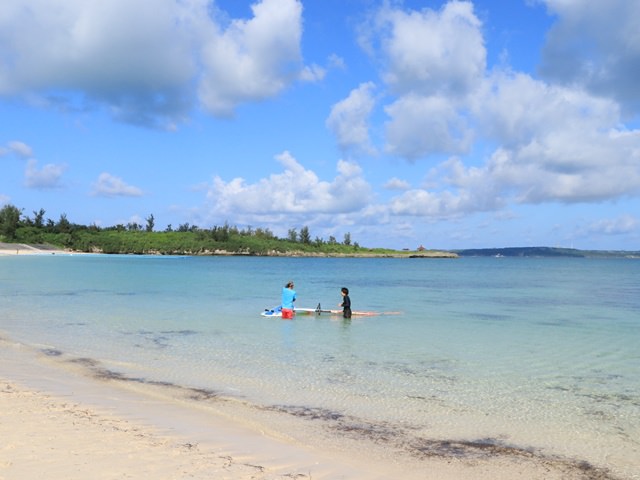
[137, 238]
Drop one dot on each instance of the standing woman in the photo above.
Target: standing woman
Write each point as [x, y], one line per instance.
[288, 297]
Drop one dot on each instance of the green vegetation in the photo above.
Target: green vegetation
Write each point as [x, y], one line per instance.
[185, 240]
[228, 240]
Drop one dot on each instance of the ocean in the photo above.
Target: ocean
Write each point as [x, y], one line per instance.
[478, 356]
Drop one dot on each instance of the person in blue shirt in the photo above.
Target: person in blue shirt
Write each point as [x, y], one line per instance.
[288, 297]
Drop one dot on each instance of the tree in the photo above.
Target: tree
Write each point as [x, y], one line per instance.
[292, 235]
[9, 219]
[63, 225]
[305, 236]
[150, 223]
[38, 218]
[347, 239]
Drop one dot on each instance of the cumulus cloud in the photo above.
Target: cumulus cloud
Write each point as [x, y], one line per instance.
[431, 61]
[420, 125]
[349, 119]
[252, 59]
[430, 52]
[463, 191]
[615, 226]
[295, 191]
[49, 176]
[20, 149]
[554, 140]
[111, 186]
[89, 53]
[595, 45]
[397, 184]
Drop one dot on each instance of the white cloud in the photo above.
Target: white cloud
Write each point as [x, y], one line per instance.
[313, 73]
[295, 191]
[101, 50]
[86, 53]
[336, 61]
[21, 149]
[111, 186]
[349, 119]
[540, 141]
[49, 176]
[464, 191]
[556, 143]
[513, 108]
[421, 126]
[397, 184]
[432, 52]
[432, 61]
[252, 59]
[621, 225]
[595, 45]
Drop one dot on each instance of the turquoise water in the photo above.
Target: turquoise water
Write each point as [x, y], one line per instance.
[538, 354]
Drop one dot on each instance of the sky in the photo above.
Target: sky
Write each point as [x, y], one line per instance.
[446, 124]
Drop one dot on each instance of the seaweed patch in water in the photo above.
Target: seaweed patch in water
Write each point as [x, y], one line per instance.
[306, 412]
[395, 436]
[102, 373]
[466, 448]
[52, 352]
[380, 433]
[85, 362]
[179, 332]
[489, 447]
[202, 394]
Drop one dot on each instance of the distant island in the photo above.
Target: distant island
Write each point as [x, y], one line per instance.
[545, 252]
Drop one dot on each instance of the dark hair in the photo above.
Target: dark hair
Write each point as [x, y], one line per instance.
[289, 285]
[345, 290]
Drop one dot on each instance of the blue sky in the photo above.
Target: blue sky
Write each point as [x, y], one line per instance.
[445, 124]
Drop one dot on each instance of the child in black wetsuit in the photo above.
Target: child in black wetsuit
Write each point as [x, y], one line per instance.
[346, 303]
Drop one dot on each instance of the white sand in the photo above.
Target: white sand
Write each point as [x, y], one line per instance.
[24, 249]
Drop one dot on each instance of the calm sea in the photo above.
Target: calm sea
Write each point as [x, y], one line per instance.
[529, 354]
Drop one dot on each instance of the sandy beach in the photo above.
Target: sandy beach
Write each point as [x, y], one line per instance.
[58, 425]
[61, 425]
[24, 249]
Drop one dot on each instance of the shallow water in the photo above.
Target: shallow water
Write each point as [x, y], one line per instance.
[532, 354]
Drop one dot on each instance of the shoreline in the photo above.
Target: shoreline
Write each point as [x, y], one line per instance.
[14, 249]
[79, 427]
[76, 424]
